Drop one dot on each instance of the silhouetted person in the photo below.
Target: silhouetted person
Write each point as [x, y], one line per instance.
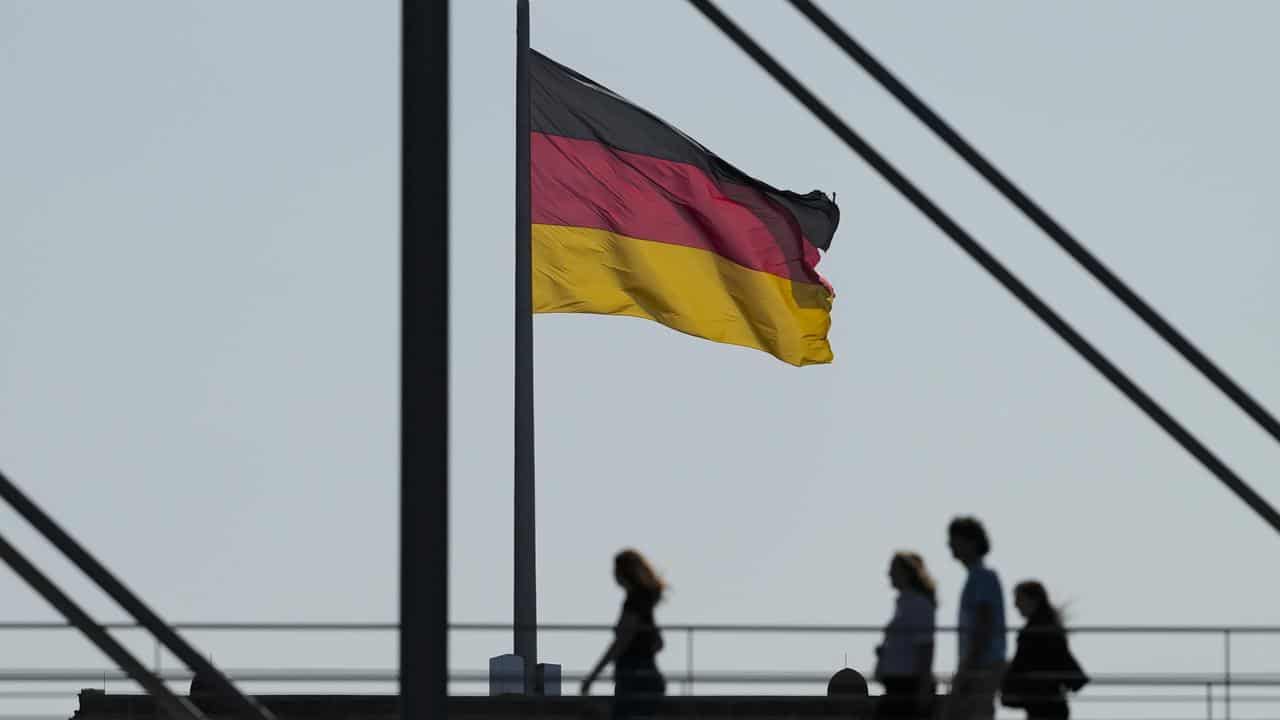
[981, 625]
[637, 680]
[1043, 669]
[905, 664]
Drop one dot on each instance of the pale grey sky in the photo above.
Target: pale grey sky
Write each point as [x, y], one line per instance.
[198, 322]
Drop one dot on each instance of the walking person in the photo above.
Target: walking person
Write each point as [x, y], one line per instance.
[981, 626]
[1043, 669]
[905, 659]
[636, 640]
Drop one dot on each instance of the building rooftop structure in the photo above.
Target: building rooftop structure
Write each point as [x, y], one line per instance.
[98, 705]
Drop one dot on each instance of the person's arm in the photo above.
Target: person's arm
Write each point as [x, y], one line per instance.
[923, 667]
[622, 637]
[1019, 662]
[979, 636]
[1011, 685]
[922, 645]
[889, 629]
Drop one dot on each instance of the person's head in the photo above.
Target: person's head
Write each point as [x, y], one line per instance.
[635, 574]
[908, 572]
[968, 539]
[1032, 600]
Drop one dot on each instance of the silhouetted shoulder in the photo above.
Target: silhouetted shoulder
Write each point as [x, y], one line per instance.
[640, 602]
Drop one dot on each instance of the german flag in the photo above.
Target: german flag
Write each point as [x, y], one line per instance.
[632, 217]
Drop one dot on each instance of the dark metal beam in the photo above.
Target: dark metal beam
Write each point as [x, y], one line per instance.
[424, 359]
[1041, 218]
[131, 603]
[994, 267]
[176, 707]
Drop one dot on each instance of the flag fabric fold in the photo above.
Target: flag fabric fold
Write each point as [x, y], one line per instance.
[632, 217]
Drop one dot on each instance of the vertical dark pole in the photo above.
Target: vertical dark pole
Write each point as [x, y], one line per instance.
[525, 556]
[1226, 673]
[424, 359]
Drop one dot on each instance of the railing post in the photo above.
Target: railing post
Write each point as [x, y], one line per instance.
[1208, 701]
[1226, 662]
[688, 661]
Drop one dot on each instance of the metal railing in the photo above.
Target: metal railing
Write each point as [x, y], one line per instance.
[1214, 681]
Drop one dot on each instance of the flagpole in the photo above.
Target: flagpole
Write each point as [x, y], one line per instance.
[525, 538]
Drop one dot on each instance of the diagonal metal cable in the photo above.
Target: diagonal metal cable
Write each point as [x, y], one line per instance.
[994, 267]
[245, 706]
[1041, 218]
[175, 707]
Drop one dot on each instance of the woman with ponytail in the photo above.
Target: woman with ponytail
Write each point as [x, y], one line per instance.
[636, 640]
[1043, 670]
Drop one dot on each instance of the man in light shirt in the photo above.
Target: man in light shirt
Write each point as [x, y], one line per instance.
[981, 626]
